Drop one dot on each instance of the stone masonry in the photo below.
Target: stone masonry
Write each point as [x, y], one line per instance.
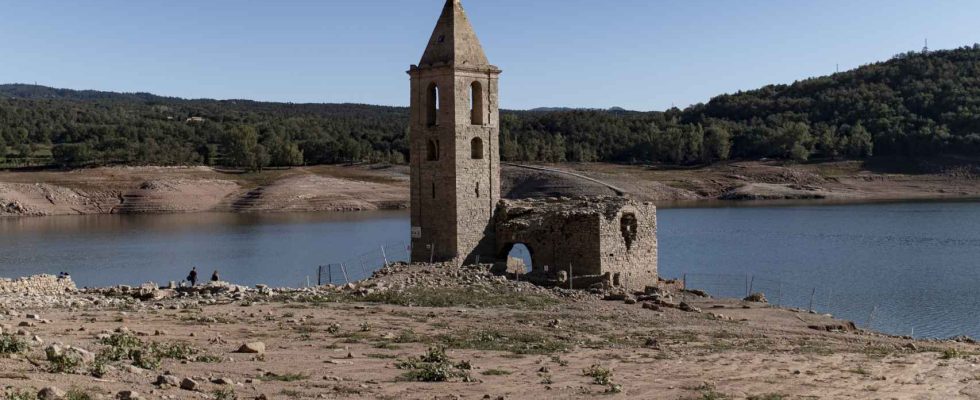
[37, 285]
[602, 240]
[456, 211]
[455, 178]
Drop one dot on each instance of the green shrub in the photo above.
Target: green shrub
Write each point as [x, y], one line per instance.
[435, 366]
[11, 344]
[600, 375]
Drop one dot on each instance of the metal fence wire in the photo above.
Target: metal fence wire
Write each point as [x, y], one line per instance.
[362, 265]
[785, 294]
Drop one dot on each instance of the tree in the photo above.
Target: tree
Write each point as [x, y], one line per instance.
[859, 143]
[717, 144]
[284, 153]
[72, 155]
[241, 147]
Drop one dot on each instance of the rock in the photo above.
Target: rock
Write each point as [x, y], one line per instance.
[51, 393]
[252, 348]
[167, 380]
[221, 381]
[652, 343]
[757, 298]
[26, 324]
[653, 307]
[188, 384]
[128, 395]
[616, 297]
[53, 352]
[688, 308]
[629, 300]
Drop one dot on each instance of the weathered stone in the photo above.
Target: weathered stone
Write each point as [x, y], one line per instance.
[128, 395]
[757, 298]
[167, 380]
[252, 348]
[604, 240]
[688, 308]
[51, 393]
[188, 384]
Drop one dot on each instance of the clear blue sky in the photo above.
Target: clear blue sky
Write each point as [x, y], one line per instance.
[638, 54]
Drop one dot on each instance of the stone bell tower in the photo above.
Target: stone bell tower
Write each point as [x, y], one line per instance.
[454, 139]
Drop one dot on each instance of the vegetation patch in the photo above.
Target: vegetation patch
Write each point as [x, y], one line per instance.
[11, 344]
[435, 366]
[517, 342]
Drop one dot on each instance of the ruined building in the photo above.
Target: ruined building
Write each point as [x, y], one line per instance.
[454, 134]
[456, 211]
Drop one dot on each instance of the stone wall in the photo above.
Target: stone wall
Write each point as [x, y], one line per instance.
[608, 240]
[37, 285]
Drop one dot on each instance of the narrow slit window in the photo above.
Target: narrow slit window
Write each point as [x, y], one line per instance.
[476, 103]
[476, 149]
[432, 150]
[432, 105]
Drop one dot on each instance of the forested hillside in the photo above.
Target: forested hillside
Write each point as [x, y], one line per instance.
[914, 105]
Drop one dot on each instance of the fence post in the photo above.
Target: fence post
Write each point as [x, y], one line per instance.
[570, 286]
[384, 256]
[343, 268]
[871, 317]
[685, 282]
[330, 273]
[751, 285]
[319, 274]
[747, 294]
[432, 253]
[813, 293]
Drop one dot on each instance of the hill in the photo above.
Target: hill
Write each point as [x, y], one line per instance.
[914, 105]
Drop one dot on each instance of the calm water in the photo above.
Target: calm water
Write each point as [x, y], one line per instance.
[903, 268]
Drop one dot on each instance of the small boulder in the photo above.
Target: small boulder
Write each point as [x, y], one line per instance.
[252, 348]
[167, 380]
[688, 308]
[128, 395]
[188, 384]
[51, 393]
[757, 298]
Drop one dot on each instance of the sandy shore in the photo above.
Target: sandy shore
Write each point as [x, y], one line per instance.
[136, 190]
[501, 339]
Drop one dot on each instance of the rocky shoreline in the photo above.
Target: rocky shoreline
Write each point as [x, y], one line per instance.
[158, 190]
[223, 341]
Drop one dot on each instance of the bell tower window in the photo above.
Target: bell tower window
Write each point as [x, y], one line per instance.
[476, 103]
[432, 150]
[476, 149]
[432, 105]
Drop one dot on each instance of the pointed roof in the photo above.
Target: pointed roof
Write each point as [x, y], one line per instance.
[453, 41]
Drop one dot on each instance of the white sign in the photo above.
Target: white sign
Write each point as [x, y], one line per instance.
[416, 232]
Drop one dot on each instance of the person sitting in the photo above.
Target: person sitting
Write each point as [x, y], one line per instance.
[214, 276]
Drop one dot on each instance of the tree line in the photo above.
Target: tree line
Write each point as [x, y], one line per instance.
[918, 104]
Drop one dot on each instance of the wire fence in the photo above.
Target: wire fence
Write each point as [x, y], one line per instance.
[364, 264]
[814, 298]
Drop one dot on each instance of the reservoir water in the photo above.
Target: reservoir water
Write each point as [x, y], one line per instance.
[904, 268]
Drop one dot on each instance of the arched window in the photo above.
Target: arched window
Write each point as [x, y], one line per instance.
[432, 105]
[432, 150]
[476, 102]
[476, 149]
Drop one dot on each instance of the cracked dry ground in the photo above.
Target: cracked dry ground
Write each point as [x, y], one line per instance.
[518, 344]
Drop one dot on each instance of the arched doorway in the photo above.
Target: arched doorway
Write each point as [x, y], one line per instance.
[519, 258]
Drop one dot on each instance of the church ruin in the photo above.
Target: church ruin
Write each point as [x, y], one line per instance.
[457, 214]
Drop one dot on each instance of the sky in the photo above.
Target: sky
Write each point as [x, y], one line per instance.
[637, 54]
